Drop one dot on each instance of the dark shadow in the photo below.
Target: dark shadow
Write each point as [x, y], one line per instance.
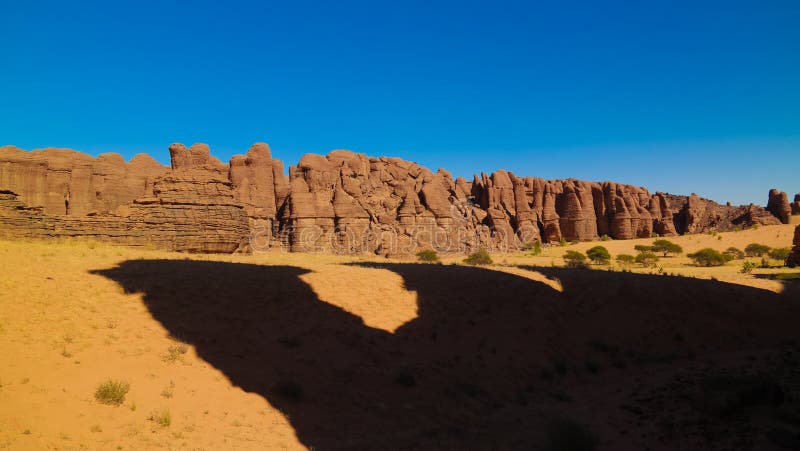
[480, 368]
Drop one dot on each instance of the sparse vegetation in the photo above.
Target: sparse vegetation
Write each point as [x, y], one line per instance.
[479, 257]
[599, 255]
[174, 352]
[781, 253]
[575, 259]
[666, 247]
[734, 252]
[647, 259]
[709, 257]
[162, 418]
[428, 256]
[625, 259]
[534, 248]
[111, 392]
[747, 267]
[756, 250]
[643, 248]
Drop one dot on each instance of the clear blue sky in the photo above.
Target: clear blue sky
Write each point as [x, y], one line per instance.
[678, 96]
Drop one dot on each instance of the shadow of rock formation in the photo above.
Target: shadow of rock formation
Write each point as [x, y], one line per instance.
[477, 369]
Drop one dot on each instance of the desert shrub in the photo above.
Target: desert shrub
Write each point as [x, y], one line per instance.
[781, 253]
[575, 259]
[534, 248]
[747, 267]
[625, 259]
[479, 257]
[599, 255]
[605, 238]
[756, 250]
[162, 418]
[647, 259]
[569, 435]
[709, 257]
[428, 256]
[111, 392]
[666, 247]
[562, 242]
[643, 248]
[174, 352]
[734, 252]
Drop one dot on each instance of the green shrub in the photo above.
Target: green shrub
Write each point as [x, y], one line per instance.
[479, 257]
[625, 259]
[666, 247]
[599, 255]
[111, 392]
[643, 248]
[534, 248]
[781, 253]
[605, 238]
[575, 259]
[756, 250]
[428, 256]
[747, 267]
[735, 253]
[647, 259]
[709, 257]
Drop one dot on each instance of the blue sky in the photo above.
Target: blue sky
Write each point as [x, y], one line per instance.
[676, 96]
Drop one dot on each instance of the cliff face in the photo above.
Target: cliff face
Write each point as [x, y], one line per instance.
[343, 202]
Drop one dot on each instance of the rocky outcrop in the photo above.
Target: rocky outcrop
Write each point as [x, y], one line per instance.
[794, 258]
[342, 202]
[778, 205]
[795, 206]
[66, 182]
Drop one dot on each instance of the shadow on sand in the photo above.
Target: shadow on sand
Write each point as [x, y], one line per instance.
[476, 370]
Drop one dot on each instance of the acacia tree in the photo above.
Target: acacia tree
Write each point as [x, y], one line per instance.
[599, 255]
[666, 247]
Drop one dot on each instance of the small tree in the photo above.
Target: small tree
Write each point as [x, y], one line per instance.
[647, 259]
[666, 247]
[781, 253]
[428, 256]
[735, 253]
[747, 267]
[709, 257]
[756, 250]
[575, 259]
[625, 259]
[479, 257]
[643, 248]
[599, 255]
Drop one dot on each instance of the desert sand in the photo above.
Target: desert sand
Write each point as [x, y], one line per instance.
[300, 351]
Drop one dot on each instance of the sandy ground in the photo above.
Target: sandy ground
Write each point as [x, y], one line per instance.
[69, 320]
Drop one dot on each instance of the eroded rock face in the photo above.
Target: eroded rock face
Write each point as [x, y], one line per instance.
[796, 205]
[66, 182]
[778, 205]
[794, 258]
[342, 202]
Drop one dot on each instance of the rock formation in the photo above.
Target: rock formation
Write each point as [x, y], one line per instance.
[796, 205]
[778, 205]
[794, 258]
[342, 202]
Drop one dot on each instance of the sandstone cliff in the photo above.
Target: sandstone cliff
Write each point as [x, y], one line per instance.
[342, 202]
